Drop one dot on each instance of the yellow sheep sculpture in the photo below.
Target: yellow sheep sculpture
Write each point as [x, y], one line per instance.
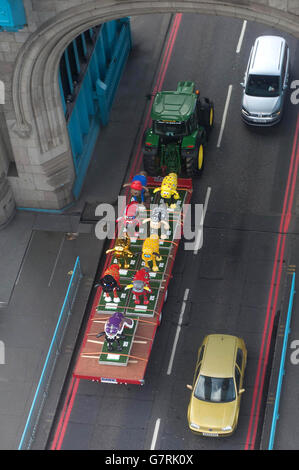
[122, 251]
[168, 189]
[150, 251]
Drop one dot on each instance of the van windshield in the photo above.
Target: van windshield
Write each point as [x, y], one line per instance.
[262, 85]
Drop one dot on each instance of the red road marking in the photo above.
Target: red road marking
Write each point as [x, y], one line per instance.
[68, 412]
[280, 248]
[73, 387]
[62, 414]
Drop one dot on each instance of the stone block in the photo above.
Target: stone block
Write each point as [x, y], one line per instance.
[34, 155]
[279, 4]
[21, 36]
[62, 5]
[44, 16]
[43, 5]
[42, 183]
[4, 46]
[27, 182]
[293, 7]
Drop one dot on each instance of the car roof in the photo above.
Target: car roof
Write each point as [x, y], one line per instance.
[219, 355]
[267, 55]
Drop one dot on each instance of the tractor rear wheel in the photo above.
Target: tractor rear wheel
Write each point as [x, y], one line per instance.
[206, 115]
[195, 162]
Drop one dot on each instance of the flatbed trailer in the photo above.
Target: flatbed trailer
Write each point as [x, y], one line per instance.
[128, 366]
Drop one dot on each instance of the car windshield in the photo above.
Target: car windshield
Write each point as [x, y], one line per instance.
[170, 129]
[262, 85]
[215, 389]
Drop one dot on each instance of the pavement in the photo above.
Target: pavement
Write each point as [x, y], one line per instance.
[37, 257]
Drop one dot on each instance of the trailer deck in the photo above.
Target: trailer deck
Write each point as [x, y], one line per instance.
[95, 362]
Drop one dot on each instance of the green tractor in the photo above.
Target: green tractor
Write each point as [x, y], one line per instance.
[181, 124]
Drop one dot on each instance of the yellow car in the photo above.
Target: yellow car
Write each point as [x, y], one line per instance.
[217, 386]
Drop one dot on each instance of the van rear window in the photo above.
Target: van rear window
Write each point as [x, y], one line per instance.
[262, 85]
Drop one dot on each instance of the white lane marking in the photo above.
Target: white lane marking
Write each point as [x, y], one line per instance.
[25, 256]
[229, 92]
[178, 330]
[155, 435]
[56, 261]
[239, 45]
[198, 240]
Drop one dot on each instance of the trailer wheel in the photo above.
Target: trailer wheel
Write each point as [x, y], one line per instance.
[165, 296]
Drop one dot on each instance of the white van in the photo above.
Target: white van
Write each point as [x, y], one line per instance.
[266, 81]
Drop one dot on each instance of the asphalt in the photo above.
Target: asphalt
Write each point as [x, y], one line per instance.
[37, 257]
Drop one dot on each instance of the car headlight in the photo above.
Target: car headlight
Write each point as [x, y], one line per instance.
[277, 113]
[195, 426]
[244, 111]
[227, 428]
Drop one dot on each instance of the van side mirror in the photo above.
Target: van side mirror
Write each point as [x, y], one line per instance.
[242, 84]
[242, 390]
[189, 387]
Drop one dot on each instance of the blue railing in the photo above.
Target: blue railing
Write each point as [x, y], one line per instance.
[281, 368]
[96, 91]
[53, 353]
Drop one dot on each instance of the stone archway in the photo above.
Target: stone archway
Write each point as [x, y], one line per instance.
[39, 124]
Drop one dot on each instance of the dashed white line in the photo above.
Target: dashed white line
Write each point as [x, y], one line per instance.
[198, 241]
[177, 332]
[239, 45]
[24, 258]
[229, 92]
[56, 261]
[155, 435]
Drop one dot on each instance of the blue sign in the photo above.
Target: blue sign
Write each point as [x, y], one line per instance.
[12, 15]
